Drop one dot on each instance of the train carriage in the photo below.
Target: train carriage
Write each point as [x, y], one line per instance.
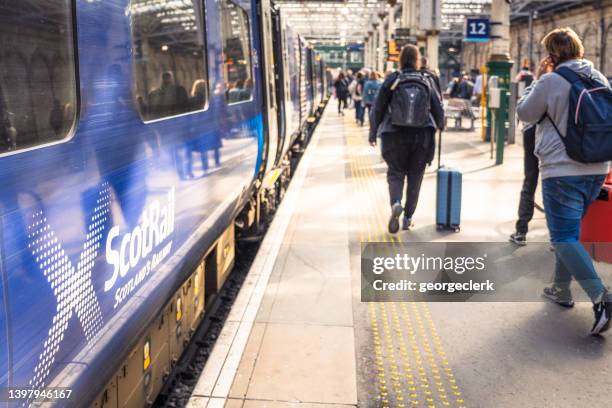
[135, 134]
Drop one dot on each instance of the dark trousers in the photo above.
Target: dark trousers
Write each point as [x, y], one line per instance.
[368, 107]
[407, 156]
[395, 179]
[530, 182]
[342, 103]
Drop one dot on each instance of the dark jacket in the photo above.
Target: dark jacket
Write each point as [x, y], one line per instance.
[380, 122]
[341, 86]
[465, 89]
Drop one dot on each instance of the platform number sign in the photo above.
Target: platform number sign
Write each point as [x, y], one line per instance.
[477, 30]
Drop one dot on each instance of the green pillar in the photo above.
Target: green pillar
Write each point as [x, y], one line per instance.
[501, 69]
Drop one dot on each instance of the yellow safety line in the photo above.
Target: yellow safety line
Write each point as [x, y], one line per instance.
[360, 189]
[357, 192]
[358, 176]
[407, 382]
[365, 172]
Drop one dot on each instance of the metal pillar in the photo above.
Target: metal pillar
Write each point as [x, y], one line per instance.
[390, 29]
[375, 46]
[366, 50]
[368, 60]
[530, 44]
[380, 63]
[499, 65]
[405, 19]
[500, 30]
[432, 48]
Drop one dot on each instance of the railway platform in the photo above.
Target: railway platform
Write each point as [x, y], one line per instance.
[298, 334]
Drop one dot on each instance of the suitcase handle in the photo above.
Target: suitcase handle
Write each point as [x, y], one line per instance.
[439, 149]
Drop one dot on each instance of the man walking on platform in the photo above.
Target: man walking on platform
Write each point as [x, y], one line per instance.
[405, 115]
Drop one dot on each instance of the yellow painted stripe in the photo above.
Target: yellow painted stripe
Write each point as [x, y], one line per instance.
[411, 366]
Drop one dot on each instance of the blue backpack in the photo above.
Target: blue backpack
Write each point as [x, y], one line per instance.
[589, 123]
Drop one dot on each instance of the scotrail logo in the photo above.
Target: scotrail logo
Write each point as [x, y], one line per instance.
[147, 242]
[143, 248]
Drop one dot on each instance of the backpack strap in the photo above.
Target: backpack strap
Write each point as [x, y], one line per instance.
[552, 122]
[397, 80]
[401, 77]
[568, 74]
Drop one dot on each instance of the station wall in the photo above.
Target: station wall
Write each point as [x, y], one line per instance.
[593, 24]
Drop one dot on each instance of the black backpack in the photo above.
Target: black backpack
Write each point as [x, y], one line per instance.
[410, 101]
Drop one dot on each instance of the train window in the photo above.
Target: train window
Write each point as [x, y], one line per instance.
[170, 72]
[38, 97]
[235, 34]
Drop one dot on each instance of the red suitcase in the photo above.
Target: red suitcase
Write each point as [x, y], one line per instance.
[596, 231]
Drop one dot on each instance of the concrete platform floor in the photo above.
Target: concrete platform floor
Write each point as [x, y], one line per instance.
[299, 336]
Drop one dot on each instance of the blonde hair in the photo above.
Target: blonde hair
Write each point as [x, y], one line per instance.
[563, 44]
[199, 86]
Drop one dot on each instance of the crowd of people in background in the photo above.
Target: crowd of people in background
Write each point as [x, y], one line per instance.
[357, 90]
[569, 185]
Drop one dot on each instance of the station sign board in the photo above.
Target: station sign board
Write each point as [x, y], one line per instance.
[403, 37]
[477, 30]
[393, 51]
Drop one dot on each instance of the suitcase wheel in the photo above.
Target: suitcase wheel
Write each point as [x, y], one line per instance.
[439, 227]
[456, 228]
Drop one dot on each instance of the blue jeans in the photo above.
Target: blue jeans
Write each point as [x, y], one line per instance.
[566, 200]
[359, 111]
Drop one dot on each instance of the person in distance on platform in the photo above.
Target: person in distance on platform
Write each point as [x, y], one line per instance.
[568, 186]
[525, 75]
[342, 92]
[356, 90]
[349, 80]
[530, 184]
[407, 150]
[370, 90]
[530, 169]
[431, 74]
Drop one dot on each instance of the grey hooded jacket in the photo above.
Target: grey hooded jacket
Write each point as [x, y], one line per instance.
[551, 94]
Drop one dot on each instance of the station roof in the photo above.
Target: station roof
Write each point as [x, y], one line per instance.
[331, 21]
[348, 21]
[540, 8]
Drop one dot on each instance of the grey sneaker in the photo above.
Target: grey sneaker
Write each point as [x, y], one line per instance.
[559, 296]
[396, 211]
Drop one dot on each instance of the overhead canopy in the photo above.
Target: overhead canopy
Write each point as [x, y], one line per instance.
[331, 21]
[348, 21]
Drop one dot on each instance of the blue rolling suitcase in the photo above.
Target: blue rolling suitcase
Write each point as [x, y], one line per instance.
[448, 196]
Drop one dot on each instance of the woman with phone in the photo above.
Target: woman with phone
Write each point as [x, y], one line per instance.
[568, 186]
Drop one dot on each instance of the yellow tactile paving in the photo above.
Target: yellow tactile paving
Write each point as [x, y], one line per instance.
[412, 369]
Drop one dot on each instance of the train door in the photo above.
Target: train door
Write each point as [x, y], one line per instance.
[309, 80]
[269, 72]
[279, 78]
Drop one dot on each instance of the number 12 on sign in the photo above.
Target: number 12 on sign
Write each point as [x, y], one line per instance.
[477, 30]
